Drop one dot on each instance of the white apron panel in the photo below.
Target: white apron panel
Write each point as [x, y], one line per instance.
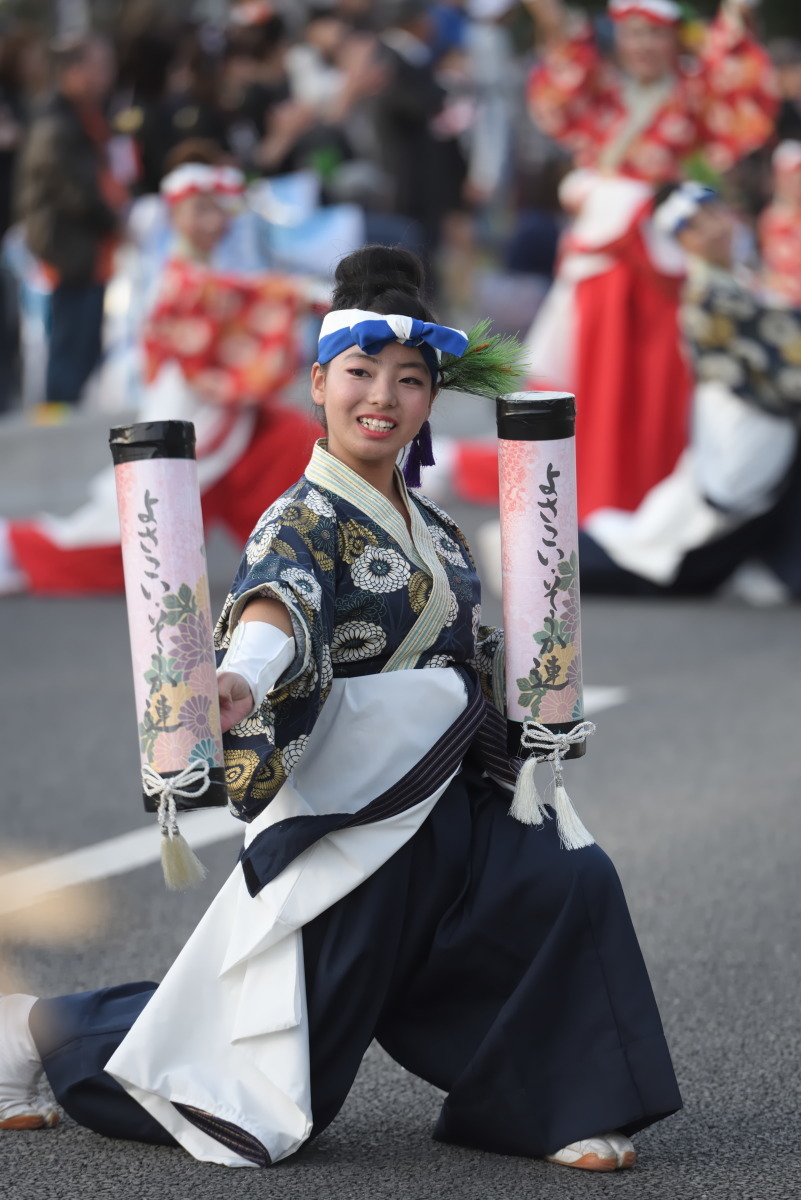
[243, 1055]
[738, 457]
[180, 1050]
[370, 732]
[319, 877]
[236, 1044]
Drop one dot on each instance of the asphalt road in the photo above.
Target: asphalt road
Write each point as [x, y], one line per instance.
[692, 785]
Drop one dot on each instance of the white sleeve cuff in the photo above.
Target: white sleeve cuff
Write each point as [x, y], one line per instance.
[260, 653]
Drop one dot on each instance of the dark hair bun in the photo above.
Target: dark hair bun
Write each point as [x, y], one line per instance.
[385, 279]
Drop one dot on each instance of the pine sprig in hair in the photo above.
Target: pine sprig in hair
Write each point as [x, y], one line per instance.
[491, 365]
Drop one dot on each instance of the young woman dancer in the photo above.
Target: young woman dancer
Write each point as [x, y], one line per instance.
[384, 891]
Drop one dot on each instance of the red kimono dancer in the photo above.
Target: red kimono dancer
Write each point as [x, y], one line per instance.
[279, 448]
[618, 318]
[218, 348]
[608, 331]
[631, 379]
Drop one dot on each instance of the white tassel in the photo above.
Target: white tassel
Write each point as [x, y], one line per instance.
[552, 747]
[181, 866]
[527, 806]
[572, 832]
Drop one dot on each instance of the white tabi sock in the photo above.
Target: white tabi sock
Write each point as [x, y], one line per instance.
[21, 1107]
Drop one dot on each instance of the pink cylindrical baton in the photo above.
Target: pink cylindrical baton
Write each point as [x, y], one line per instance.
[541, 607]
[169, 619]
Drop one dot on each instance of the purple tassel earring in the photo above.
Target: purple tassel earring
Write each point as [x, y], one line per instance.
[421, 454]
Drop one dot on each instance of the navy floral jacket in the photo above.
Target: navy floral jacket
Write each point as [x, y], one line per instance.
[364, 596]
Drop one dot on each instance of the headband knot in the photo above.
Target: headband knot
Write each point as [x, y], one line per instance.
[371, 332]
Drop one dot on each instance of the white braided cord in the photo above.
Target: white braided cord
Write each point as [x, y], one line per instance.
[154, 784]
[550, 747]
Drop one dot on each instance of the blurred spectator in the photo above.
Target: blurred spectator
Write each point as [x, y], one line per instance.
[145, 62]
[188, 108]
[450, 25]
[24, 83]
[359, 14]
[267, 30]
[246, 101]
[315, 74]
[735, 494]
[404, 111]
[493, 77]
[332, 67]
[780, 227]
[260, 43]
[480, 77]
[538, 165]
[329, 71]
[70, 204]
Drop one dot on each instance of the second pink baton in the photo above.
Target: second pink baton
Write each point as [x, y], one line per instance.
[541, 607]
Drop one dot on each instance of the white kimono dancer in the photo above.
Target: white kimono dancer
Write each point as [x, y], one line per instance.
[383, 891]
[729, 475]
[700, 522]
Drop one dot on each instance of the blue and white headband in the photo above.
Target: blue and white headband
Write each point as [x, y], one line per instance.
[681, 206]
[371, 332]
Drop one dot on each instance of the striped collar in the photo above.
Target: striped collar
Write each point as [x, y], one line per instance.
[333, 474]
[336, 477]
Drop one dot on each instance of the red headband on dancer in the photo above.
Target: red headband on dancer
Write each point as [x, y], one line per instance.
[661, 12]
[193, 179]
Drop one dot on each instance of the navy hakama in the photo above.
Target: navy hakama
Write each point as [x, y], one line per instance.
[383, 892]
[482, 956]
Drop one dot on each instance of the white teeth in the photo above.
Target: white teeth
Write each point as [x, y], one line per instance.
[375, 423]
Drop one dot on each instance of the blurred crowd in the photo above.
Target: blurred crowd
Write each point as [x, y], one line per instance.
[410, 112]
[521, 148]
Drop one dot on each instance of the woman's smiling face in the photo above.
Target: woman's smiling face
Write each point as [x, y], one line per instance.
[374, 404]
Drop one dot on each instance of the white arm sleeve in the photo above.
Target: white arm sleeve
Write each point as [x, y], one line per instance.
[260, 653]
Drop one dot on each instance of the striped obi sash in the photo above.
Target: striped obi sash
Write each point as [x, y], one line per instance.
[479, 729]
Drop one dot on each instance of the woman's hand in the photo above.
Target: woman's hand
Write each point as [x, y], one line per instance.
[236, 699]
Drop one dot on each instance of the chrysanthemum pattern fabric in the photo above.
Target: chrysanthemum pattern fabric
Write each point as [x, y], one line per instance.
[353, 595]
[751, 347]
